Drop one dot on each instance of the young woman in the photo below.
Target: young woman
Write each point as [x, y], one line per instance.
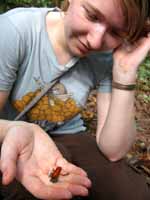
[38, 45]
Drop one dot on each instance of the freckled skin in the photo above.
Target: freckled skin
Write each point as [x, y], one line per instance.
[80, 29]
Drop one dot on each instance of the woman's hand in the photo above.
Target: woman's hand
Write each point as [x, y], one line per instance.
[127, 60]
[28, 154]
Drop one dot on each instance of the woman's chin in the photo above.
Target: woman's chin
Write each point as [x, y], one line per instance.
[79, 53]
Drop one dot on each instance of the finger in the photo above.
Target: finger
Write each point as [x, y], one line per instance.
[43, 191]
[70, 168]
[76, 184]
[142, 49]
[75, 189]
[76, 179]
[126, 46]
[8, 162]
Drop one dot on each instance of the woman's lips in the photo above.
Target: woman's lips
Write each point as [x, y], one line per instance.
[83, 48]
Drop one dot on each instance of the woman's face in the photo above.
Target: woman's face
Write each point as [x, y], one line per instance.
[93, 25]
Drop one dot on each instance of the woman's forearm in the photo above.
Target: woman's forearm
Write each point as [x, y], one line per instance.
[118, 132]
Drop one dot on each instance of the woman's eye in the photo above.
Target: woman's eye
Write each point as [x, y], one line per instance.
[93, 18]
[114, 34]
[89, 15]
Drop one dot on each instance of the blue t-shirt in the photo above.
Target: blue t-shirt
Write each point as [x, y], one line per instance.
[28, 62]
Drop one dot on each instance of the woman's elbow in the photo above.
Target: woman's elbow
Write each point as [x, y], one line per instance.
[113, 157]
[112, 154]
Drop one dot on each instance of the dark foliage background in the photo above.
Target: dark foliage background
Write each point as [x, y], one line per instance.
[8, 4]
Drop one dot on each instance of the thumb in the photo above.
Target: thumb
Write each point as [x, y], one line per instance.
[8, 159]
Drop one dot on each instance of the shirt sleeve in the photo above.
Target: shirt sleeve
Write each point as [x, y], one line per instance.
[10, 58]
[105, 84]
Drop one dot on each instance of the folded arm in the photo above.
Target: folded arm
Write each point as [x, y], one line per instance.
[116, 128]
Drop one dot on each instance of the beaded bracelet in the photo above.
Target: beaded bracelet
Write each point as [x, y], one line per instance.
[122, 86]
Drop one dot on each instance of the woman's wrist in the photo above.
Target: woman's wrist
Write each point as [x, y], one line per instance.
[120, 86]
[4, 124]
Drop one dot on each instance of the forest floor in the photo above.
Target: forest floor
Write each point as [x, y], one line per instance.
[139, 155]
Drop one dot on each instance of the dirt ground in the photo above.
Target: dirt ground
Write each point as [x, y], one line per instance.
[142, 115]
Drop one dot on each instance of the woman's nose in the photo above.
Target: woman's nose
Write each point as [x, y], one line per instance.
[95, 37]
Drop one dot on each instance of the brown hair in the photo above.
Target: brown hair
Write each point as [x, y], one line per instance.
[137, 16]
[65, 5]
[137, 13]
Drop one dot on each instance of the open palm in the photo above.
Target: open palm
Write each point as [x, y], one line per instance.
[28, 154]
